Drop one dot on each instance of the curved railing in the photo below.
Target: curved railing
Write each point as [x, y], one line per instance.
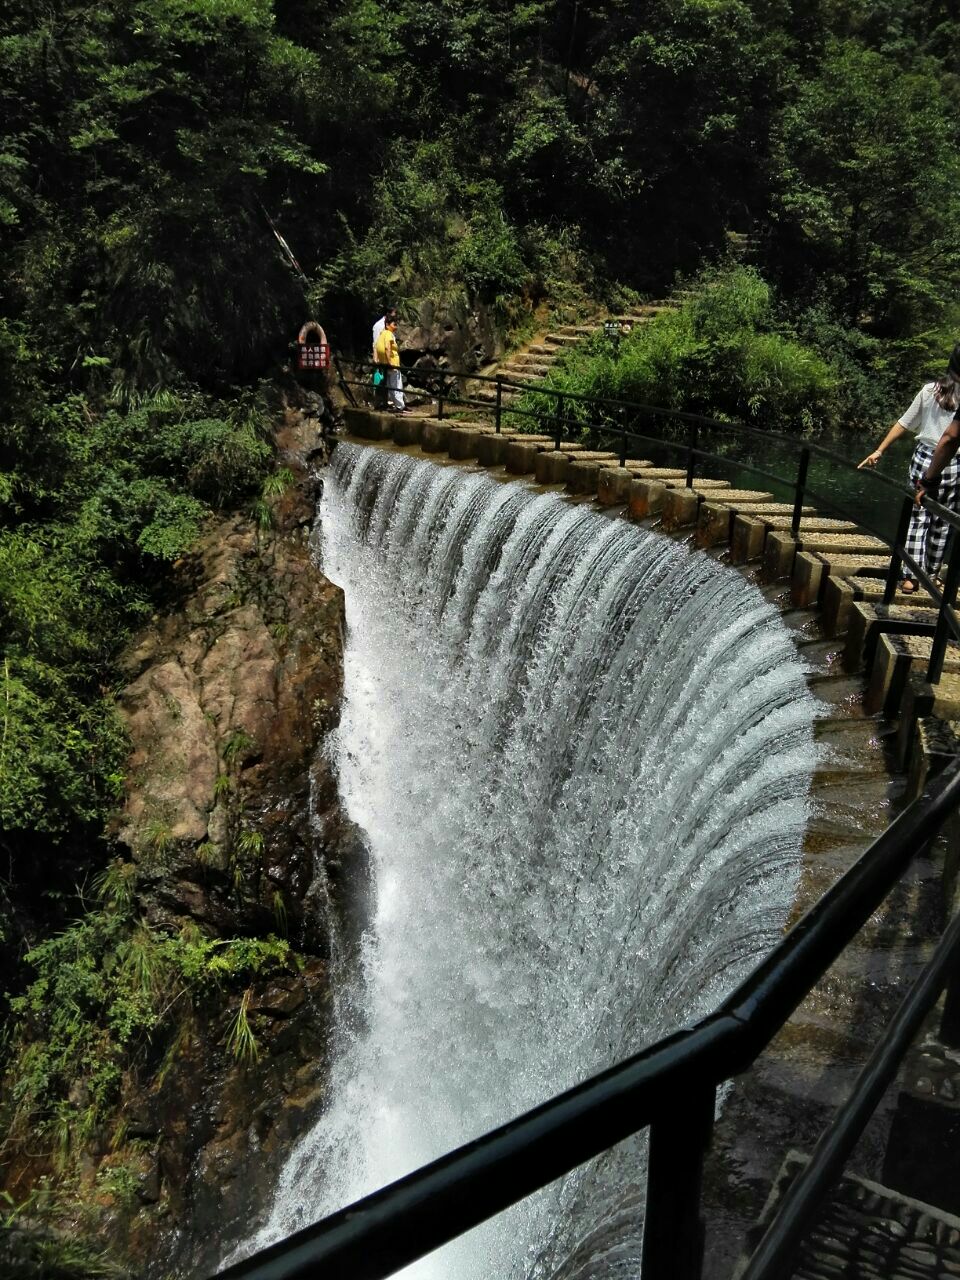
[618, 420]
[669, 1087]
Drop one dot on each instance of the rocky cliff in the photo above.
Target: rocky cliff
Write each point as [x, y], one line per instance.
[238, 897]
[234, 819]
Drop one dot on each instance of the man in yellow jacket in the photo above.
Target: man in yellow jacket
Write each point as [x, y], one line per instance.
[386, 353]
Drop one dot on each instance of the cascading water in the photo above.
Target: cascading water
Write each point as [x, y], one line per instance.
[582, 757]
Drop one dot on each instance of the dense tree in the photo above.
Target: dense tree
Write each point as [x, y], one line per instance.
[867, 215]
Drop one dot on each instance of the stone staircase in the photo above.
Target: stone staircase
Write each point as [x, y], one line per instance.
[530, 364]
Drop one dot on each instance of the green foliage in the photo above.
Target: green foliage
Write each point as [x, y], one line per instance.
[237, 747]
[866, 201]
[106, 991]
[250, 844]
[241, 1041]
[724, 352]
[90, 518]
[60, 756]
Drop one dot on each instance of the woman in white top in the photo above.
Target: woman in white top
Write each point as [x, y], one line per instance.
[933, 408]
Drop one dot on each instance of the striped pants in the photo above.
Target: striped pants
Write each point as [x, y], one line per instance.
[927, 536]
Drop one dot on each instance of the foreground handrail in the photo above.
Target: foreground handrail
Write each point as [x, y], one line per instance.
[404, 1221]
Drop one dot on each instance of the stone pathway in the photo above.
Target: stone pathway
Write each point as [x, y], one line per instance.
[531, 363]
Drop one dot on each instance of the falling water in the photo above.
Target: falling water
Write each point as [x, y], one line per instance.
[582, 755]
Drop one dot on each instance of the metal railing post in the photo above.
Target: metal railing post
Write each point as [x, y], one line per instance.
[672, 1228]
[441, 386]
[938, 650]
[499, 409]
[950, 1020]
[691, 455]
[559, 422]
[801, 489]
[623, 443]
[893, 575]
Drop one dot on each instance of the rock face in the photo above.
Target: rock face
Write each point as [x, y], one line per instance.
[450, 334]
[234, 821]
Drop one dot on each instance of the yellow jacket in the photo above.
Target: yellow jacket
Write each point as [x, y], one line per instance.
[386, 351]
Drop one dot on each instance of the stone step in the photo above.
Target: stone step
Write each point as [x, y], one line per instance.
[524, 372]
[866, 1231]
[894, 657]
[844, 544]
[488, 395]
[525, 359]
[578, 330]
[873, 589]
[749, 499]
[554, 340]
[779, 509]
[811, 524]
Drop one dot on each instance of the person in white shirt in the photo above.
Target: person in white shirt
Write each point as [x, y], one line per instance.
[931, 412]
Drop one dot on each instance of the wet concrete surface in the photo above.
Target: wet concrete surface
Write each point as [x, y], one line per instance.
[794, 1088]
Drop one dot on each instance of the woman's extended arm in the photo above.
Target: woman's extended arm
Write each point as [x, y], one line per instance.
[895, 432]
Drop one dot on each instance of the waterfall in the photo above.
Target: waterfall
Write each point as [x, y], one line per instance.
[582, 755]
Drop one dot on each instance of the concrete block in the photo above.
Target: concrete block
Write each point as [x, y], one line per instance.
[812, 524]
[519, 457]
[645, 498]
[838, 598]
[463, 442]
[739, 499]
[613, 485]
[807, 580]
[844, 565]
[861, 621]
[491, 449]
[671, 476]
[550, 467]
[714, 523]
[407, 429]
[888, 674]
[747, 539]
[844, 544]
[583, 476]
[368, 424]
[435, 436]
[936, 744]
[921, 699]
[778, 554]
[679, 508]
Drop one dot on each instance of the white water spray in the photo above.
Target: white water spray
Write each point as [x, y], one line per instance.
[582, 756]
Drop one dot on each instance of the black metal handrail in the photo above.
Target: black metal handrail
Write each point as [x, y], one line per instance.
[446, 385]
[670, 1087]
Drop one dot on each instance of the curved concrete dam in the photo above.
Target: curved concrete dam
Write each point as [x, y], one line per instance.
[582, 754]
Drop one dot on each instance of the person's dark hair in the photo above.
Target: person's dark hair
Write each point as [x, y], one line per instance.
[953, 364]
[390, 313]
[948, 391]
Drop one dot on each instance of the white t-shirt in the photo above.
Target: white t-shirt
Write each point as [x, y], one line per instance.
[925, 419]
[378, 328]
